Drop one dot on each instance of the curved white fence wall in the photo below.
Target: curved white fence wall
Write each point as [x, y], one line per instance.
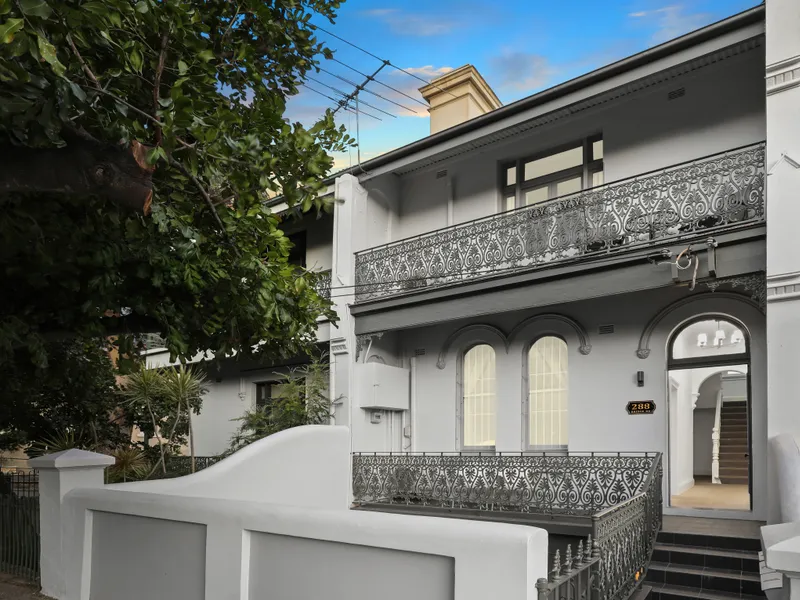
[304, 466]
[189, 548]
[271, 521]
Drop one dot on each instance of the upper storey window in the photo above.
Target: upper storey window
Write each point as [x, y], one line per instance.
[557, 172]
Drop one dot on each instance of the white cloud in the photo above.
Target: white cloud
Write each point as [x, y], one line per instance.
[522, 71]
[419, 24]
[671, 21]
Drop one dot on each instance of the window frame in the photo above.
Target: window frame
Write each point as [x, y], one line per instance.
[585, 171]
[526, 420]
[460, 420]
[270, 385]
[710, 360]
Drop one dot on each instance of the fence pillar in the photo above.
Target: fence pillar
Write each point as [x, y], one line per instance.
[60, 473]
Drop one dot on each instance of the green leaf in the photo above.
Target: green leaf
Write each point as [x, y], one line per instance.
[9, 28]
[136, 60]
[5, 7]
[182, 67]
[77, 91]
[35, 8]
[48, 52]
[142, 6]
[206, 55]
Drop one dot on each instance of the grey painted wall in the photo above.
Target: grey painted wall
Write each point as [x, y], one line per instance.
[601, 383]
[124, 567]
[292, 568]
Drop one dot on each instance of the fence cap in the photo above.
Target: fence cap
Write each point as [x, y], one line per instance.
[71, 459]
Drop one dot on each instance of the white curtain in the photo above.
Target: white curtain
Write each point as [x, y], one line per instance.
[548, 394]
[480, 403]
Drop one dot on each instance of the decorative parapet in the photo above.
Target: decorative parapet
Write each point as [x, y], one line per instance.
[697, 198]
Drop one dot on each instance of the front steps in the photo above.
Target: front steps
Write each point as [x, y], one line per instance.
[708, 567]
[733, 461]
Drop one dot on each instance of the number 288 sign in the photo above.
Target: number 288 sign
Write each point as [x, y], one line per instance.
[642, 407]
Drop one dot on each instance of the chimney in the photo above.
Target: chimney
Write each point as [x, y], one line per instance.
[458, 96]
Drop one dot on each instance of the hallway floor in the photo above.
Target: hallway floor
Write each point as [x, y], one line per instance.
[705, 494]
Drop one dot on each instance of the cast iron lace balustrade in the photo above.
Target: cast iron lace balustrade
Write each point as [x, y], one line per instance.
[322, 283]
[573, 483]
[698, 198]
[577, 578]
[619, 492]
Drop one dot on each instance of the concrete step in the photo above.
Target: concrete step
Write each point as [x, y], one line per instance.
[677, 592]
[741, 560]
[711, 579]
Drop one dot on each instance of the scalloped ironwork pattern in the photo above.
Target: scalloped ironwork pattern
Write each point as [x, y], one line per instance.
[566, 484]
[697, 198]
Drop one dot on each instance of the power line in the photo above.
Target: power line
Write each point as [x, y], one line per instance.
[330, 87]
[371, 92]
[344, 64]
[383, 60]
[339, 102]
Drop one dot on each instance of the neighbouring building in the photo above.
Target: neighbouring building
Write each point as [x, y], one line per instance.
[609, 265]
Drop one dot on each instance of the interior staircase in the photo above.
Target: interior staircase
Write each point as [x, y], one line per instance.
[733, 460]
[708, 567]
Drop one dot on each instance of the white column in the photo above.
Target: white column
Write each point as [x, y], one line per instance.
[783, 215]
[60, 473]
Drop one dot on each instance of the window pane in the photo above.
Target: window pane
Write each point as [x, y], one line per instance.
[554, 163]
[511, 176]
[548, 398]
[479, 396]
[536, 195]
[597, 178]
[510, 202]
[597, 149]
[570, 186]
[709, 338]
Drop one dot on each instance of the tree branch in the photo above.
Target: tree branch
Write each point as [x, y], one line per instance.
[162, 59]
[83, 167]
[206, 197]
[85, 66]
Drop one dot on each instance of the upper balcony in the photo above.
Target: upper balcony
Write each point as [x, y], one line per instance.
[694, 199]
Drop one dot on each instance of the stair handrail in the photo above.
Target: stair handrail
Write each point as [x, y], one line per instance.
[715, 440]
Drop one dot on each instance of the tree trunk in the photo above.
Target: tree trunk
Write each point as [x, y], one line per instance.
[191, 437]
[81, 168]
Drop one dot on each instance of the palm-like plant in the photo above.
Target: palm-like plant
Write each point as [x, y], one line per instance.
[185, 388]
[143, 388]
[131, 463]
[60, 441]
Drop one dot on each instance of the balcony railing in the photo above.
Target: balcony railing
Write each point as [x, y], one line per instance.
[619, 493]
[700, 197]
[322, 283]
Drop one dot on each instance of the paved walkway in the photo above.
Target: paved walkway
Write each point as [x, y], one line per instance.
[16, 589]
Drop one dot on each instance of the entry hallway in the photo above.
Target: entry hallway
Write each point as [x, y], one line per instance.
[705, 494]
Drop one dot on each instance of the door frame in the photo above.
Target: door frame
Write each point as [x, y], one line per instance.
[731, 360]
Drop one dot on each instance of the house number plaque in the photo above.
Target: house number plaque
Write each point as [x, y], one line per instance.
[643, 407]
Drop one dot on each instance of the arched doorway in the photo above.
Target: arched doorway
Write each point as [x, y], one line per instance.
[709, 415]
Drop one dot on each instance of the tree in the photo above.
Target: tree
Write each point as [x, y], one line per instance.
[301, 399]
[185, 389]
[160, 403]
[74, 398]
[138, 142]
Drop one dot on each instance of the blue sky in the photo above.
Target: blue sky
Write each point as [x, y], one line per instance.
[519, 46]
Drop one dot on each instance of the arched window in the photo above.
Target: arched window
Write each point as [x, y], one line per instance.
[479, 404]
[548, 394]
